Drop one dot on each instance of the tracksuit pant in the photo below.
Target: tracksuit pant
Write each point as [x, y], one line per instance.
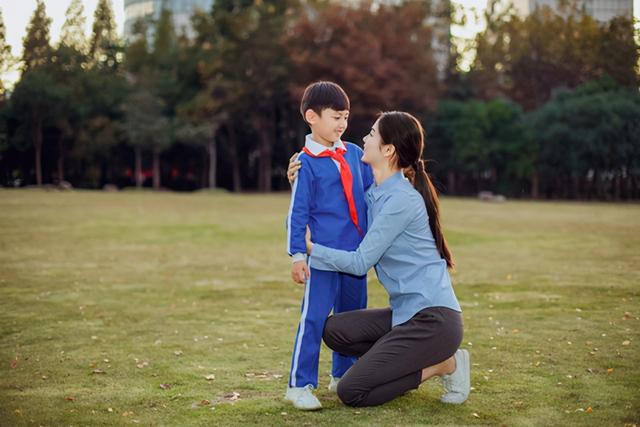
[324, 291]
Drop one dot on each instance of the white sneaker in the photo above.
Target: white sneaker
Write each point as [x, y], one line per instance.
[458, 384]
[333, 384]
[303, 398]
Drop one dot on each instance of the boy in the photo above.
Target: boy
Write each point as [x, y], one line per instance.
[328, 197]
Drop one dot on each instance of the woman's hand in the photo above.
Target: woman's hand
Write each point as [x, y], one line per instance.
[294, 166]
[307, 238]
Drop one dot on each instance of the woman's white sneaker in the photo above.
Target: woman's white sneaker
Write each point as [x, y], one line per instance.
[303, 398]
[458, 384]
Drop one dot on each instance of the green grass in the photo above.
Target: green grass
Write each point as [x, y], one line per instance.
[119, 282]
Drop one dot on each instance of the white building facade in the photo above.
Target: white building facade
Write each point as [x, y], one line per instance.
[150, 10]
[600, 10]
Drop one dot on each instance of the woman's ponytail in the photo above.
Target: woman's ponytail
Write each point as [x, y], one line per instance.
[424, 186]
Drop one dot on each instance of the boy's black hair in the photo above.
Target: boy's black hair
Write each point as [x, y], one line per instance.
[320, 95]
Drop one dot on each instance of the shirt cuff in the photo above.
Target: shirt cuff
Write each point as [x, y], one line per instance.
[320, 256]
[298, 257]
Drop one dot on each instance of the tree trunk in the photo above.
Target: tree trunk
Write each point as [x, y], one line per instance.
[535, 185]
[617, 187]
[235, 163]
[37, 140]
[264, 126]
[138, 172]
[451, 182]
[265, 162]
[156, 169]
[60, 159]
[212, 150]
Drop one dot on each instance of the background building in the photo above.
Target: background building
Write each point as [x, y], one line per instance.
[150, 10]
[600, 10]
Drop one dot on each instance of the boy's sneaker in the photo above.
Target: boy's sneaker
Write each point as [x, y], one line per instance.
[333, 384]
[303, 398]
[458, 384]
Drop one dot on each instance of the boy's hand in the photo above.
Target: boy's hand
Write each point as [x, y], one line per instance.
[294, 166]
[300, 272]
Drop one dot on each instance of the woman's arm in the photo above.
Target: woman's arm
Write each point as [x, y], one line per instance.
[393, 218]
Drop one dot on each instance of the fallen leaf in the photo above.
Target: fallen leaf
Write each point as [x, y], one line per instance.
[210, 377]
[589, 410]
[232, 397]
[70, 398]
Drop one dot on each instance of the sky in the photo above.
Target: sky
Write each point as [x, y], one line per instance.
[17, 13]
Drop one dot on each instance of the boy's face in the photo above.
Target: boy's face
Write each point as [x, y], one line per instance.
[329, 125]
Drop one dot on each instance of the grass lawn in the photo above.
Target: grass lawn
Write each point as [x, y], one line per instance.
[141, 308]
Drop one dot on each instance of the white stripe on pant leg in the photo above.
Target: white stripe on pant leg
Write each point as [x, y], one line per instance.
[293, 197]
[303, 316]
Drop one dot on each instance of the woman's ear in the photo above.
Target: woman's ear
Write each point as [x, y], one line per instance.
[389, 151]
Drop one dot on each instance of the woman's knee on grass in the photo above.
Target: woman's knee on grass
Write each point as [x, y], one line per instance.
[349, 393]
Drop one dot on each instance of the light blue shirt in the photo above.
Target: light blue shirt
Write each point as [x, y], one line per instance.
[400, 245]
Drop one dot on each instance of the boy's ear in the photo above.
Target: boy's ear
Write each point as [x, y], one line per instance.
[311, 116]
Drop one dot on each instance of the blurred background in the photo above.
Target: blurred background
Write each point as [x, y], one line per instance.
[528, 99]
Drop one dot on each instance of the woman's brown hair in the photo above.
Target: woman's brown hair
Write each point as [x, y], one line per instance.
[405, 133]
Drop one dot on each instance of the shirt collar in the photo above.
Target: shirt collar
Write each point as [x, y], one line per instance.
[317, 148]
[376, 191]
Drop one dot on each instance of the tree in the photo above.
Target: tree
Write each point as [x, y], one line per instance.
[69, 71]
[104, 47]
[146, 128]
[383, 56]
[73, 35]
[244, 43]
[485, 143]
[36, 47]
[588, 144]
[527, 59]
[34, 101]
[6, 58]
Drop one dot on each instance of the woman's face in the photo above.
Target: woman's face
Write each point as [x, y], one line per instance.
[374, 150]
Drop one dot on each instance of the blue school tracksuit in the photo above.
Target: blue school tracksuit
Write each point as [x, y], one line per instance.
[318, 200]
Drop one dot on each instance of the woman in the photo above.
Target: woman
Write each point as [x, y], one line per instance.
[418, 336]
